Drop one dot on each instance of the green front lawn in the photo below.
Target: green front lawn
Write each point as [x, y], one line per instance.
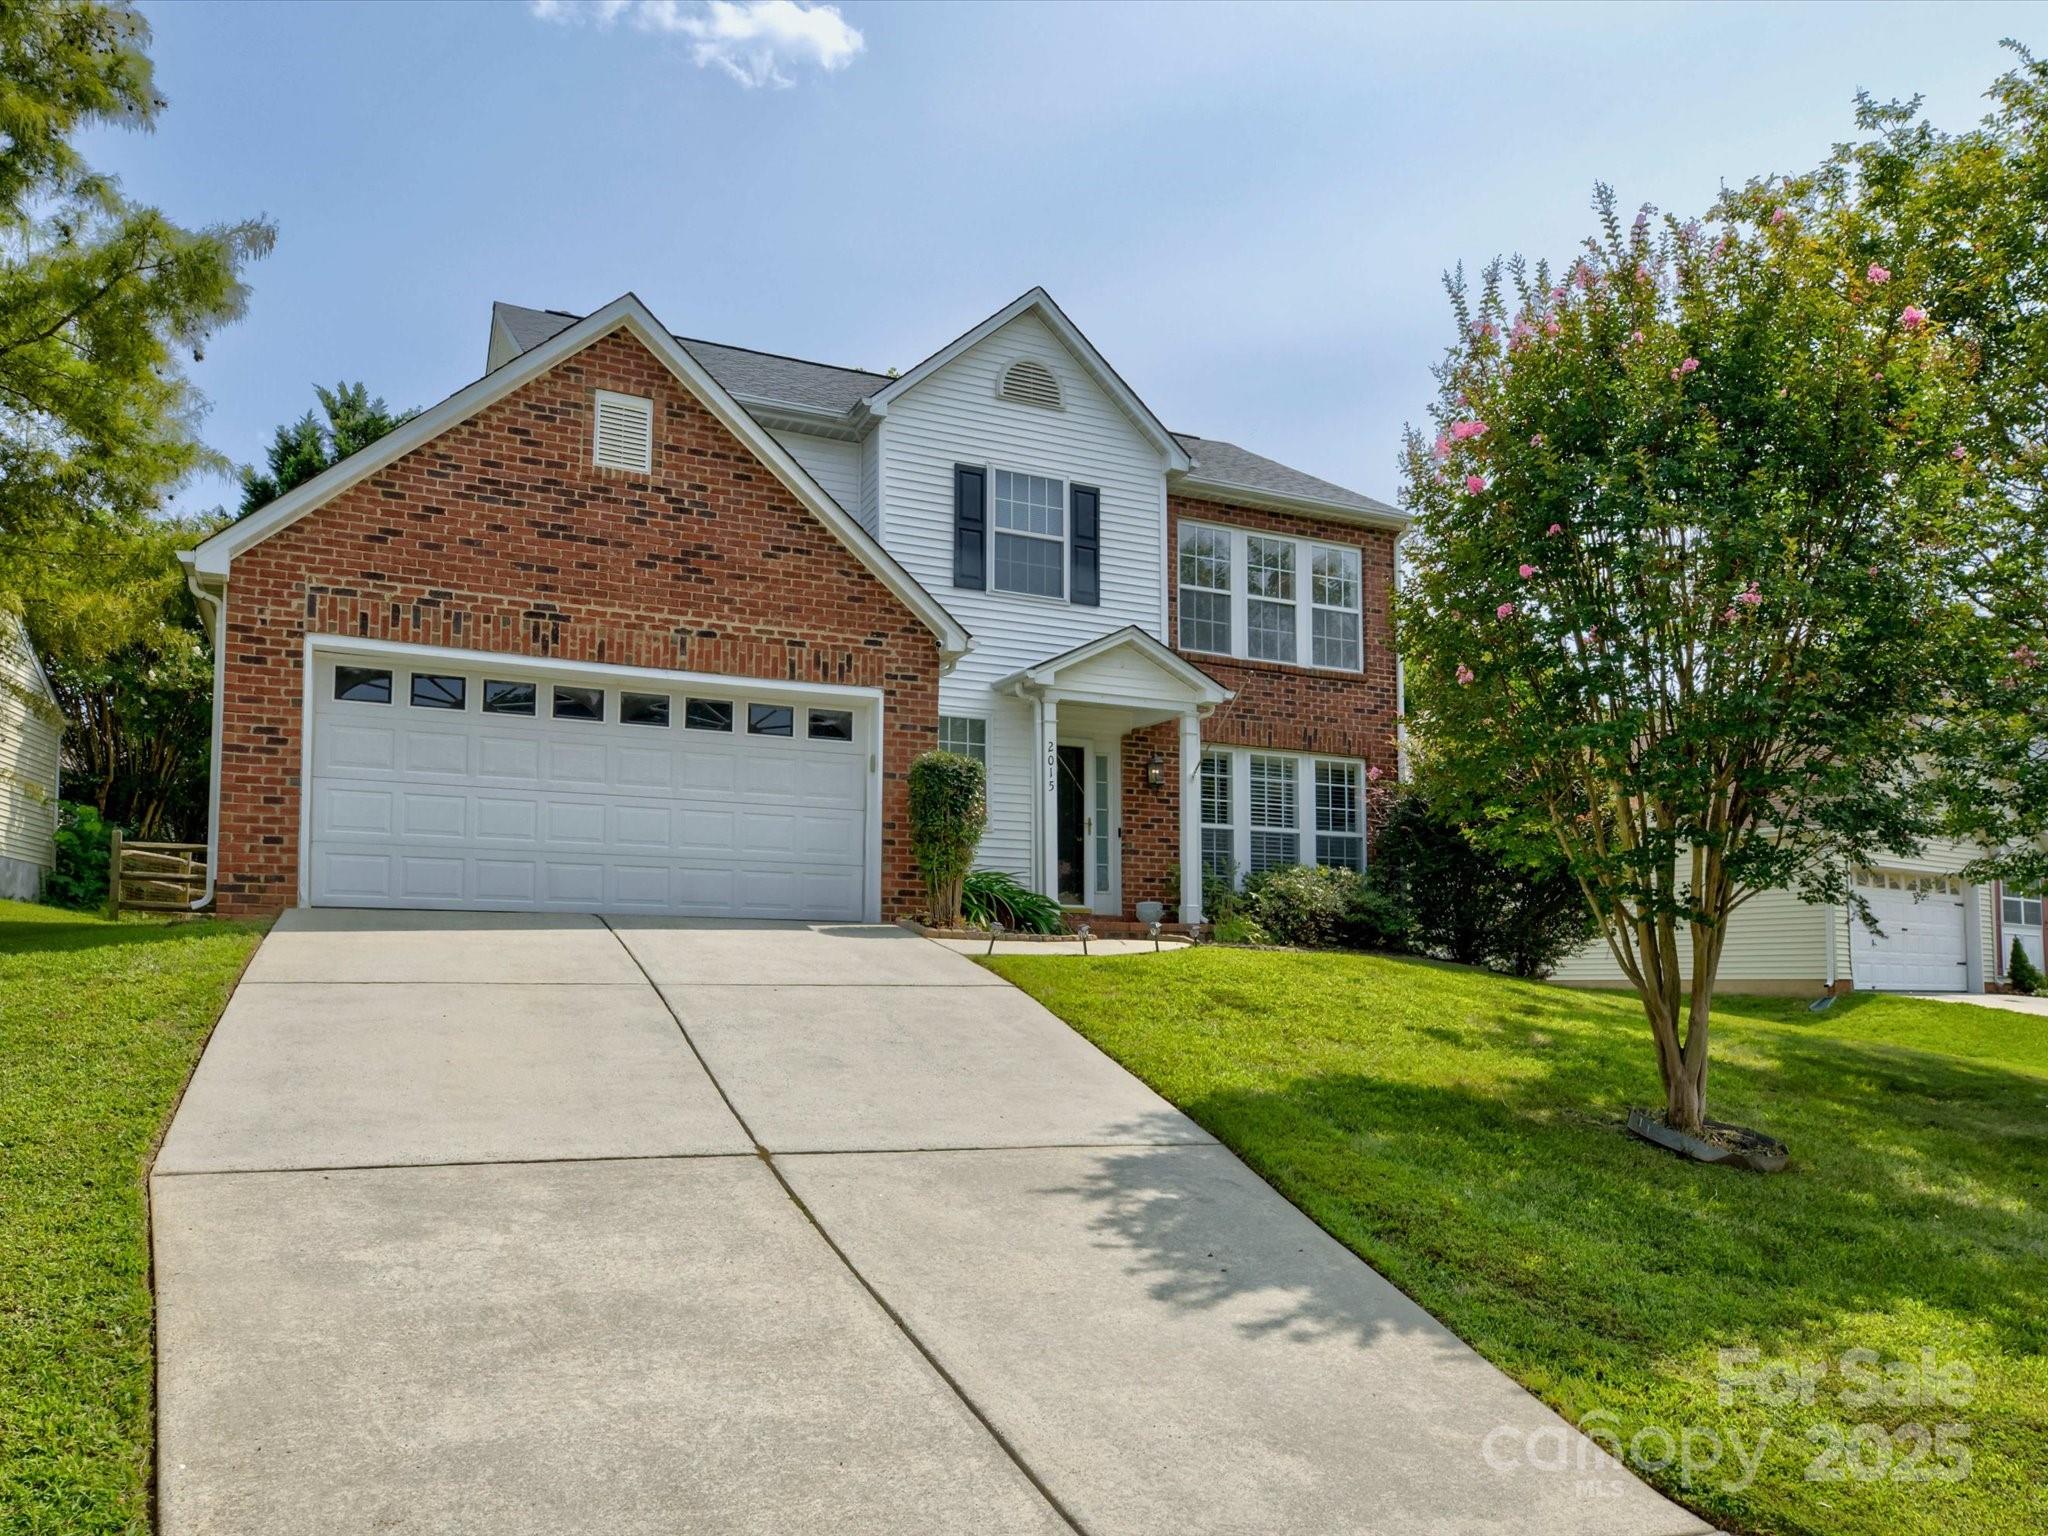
[1462, 1132]
[100, 1024]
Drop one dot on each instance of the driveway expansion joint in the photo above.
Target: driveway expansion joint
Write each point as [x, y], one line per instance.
[767, 1157]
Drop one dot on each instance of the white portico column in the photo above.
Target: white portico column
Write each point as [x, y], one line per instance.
[1190, 818]
[1048, 743]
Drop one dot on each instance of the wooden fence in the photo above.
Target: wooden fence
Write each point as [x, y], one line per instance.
[155, 877]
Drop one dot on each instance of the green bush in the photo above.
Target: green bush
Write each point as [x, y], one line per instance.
[948, 806]
[1374, 920]
[2021, 971]
[84, 851]
[1220, 898]
[1467, 904]
[989, 895]
[1302, 904]
[1236, 928]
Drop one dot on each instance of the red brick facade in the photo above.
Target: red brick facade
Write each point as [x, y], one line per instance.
[1283, 708]
[499, 535]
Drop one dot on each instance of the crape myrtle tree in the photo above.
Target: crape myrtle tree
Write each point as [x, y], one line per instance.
[1685, 607]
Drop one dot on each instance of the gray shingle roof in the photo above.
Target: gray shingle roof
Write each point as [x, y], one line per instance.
[770, 377]
[1221, 463]
[760, 376]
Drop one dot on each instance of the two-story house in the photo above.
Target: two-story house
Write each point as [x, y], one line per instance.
[636, 623]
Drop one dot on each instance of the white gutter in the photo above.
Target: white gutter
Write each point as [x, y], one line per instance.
[217, 602]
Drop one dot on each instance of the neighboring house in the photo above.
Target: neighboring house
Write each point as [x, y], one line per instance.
[31, 740]
[1940, 933]
[637, 623]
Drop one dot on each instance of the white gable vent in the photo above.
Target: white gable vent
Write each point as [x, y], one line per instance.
[1029, 382]
[624, 437]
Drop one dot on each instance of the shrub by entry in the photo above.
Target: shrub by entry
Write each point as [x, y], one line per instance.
[948, 807]
[2021, 971]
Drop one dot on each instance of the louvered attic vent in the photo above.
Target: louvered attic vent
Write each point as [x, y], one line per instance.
[625, 432]
[1031, 383]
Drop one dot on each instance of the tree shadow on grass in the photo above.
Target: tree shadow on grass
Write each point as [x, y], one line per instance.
[1521, 1202]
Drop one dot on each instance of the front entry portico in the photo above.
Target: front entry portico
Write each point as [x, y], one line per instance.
[1086, 702]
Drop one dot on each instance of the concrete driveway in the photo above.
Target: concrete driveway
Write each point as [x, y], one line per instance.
[507, 1224]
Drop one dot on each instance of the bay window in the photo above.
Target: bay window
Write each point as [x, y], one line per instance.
[1269, 597]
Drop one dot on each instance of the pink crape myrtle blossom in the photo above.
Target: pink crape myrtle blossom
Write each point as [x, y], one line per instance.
[2024, 655]
[1961, 453]
[1443, 446]
[1780, 216]
[1465, 675]
[1474, 484]
[1526, 569]
[1536, 440]
[1551, 327]
[1372, 774]
[1878, 276]
[1912, 317]
[1750, 595]
[1461, 430]
[1504, 611]
[1636, 337]
[1553, 530]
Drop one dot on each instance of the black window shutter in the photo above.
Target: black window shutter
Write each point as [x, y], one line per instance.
[970, 527]
[1087, 513]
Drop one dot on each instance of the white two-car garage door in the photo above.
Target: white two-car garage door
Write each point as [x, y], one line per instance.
[1923, 946]
[459, 783]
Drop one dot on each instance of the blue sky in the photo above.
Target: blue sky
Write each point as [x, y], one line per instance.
[1246, 208]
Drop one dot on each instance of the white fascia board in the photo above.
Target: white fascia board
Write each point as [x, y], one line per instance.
[1046, 674]
[1223, 491]
[1039, 302]
[212, 558]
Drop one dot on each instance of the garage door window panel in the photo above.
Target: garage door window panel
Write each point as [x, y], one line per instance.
[503, 698]
[578, 703]
[643, 709]
[771, 720]
[362, 685]
[439, 690]
[829, 724]
[707, 715]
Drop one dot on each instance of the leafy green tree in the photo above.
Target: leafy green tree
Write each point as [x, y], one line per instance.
[98, 295]
[301, 449]
[132, 667]
[1971, 209]
[1696, 564]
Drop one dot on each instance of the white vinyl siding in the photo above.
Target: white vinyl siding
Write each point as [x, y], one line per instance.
[835, 465]
[956, 416]
[1776, 941]
[1267, 597]
[30, 741]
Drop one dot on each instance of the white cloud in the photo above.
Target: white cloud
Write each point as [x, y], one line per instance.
[751, 40]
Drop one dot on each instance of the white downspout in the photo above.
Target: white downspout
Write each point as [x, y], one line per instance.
[217, 604]
[1834, 914]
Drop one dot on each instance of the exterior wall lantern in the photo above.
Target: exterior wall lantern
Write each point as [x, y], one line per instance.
[1155, 772]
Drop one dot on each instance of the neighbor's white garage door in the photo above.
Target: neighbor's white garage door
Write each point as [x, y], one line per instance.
[1922, 948]
[465, 786]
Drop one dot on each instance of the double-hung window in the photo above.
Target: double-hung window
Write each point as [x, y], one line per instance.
[1334, 607]
[1270, 613]
[1273, 801]
[1268, 597]
[2022, 911]
[1204, 589]
[964, 734]
[1030, 532]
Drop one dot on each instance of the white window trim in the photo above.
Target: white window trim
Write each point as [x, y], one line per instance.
[1305, 605]
[1239, 759]
[1065, 595]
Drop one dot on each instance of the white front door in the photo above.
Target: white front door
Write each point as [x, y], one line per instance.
[438, 782]
[1922, 947]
